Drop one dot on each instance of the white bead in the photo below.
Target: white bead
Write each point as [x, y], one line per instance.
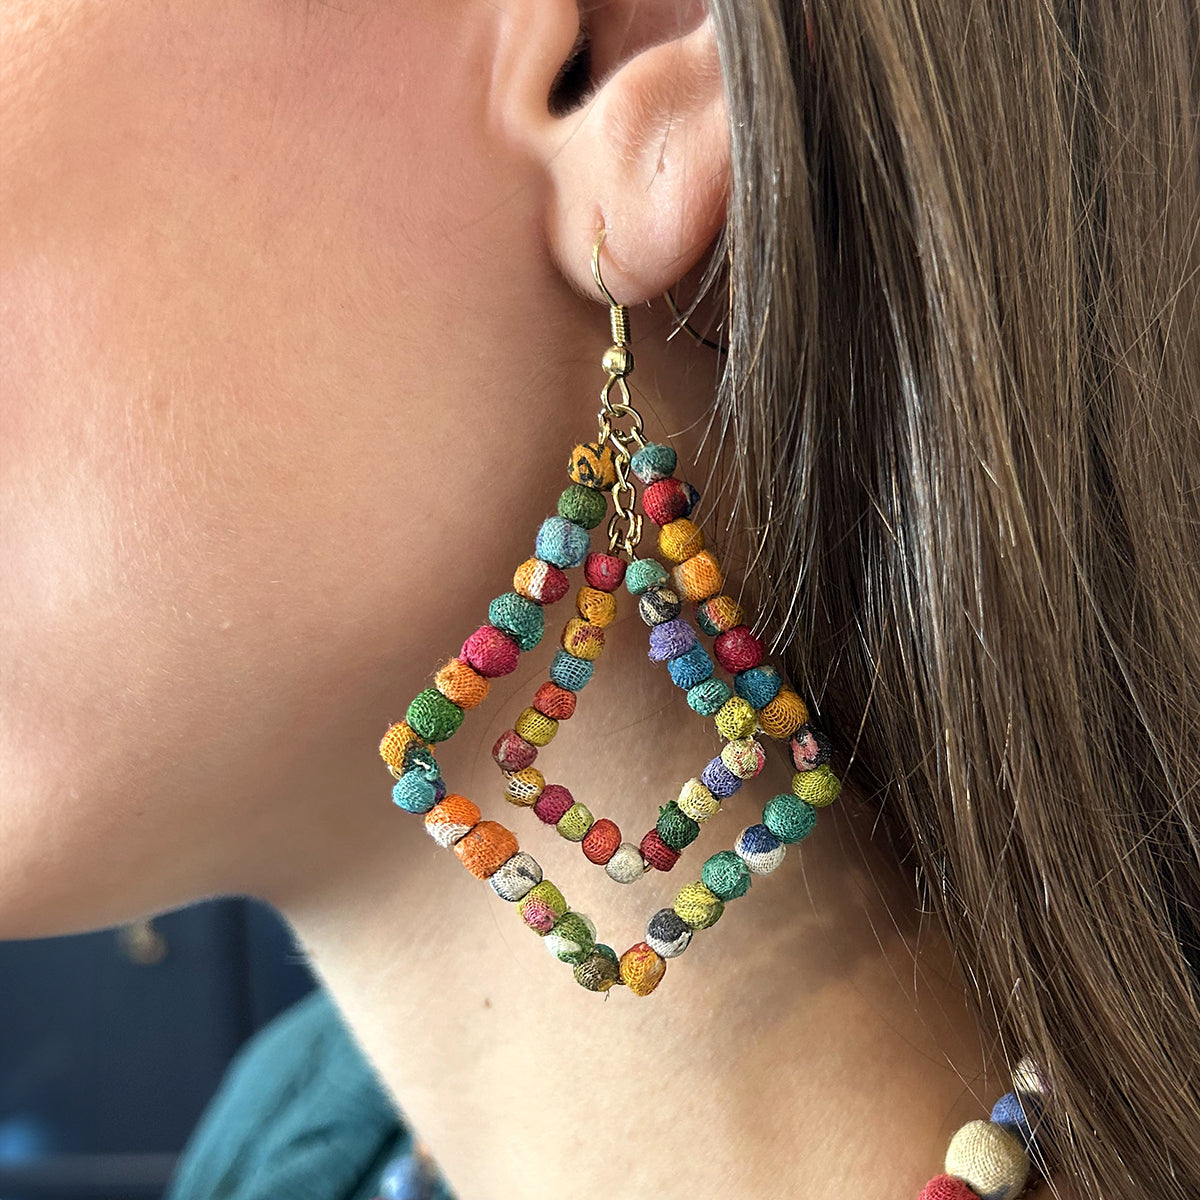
[760, 862]
[516, 878]
[744, 757]
[989, 1160]
[1028, 1079]
[626, 864]
[668, 921]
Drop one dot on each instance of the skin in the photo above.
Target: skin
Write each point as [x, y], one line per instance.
[298, 327]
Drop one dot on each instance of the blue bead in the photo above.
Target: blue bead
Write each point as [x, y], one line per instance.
[707, 698]
[653, 462]
[414, 793]
[439, 790]
[719, 779]
[693, 498]
[1010, 1111]
[758, 686]
[671, 639]
[691, 668]
[758, 839]
[644, 573]
[562, 542]
[570, 672]
[407, 1178]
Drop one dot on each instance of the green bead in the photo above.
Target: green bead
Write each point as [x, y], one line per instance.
[676, 828]
[644, 573]
[653, 462]
[726, 875]
[575, 822]
[579, 938]
[817, 787]
[583, 505]
[432, 716]
[522, 619]
[545, 893]
[789, 818]
[708, 696]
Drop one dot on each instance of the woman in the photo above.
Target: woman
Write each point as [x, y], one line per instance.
[300, 327]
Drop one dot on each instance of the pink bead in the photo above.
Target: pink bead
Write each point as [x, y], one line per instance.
[604, 571]
[552, 803]
[512, 752]
[737, 649]
[491, 652]
[946, 1187]
[537, 914]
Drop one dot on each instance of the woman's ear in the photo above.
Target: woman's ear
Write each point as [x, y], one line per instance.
[645, 153]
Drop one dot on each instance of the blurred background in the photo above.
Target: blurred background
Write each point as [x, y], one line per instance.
[112, 1043]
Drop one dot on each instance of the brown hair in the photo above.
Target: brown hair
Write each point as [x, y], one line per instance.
[963, 389]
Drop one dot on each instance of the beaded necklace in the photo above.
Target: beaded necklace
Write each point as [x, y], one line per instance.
[987, 1160]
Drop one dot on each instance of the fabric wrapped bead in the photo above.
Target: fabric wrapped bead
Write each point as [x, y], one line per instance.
[726, 875]
[667, 500]
[601, 841]
[450, 819]
[600, 970]
[698, 578]
[654, 461]
[758, 686]
[540, 581]
[626, 865]
[605, 572]
[555, 702]
[583, 640]
[670, 640]
[491, 652]
[784, 715]
[562, 542]
[642, 969]
[1019, 1115]
[676, 829]
[420, 758]
[699, 906]
[439, 790]
[596, 607]
[657, 605]
[553, 803]
[593, 465]
[719, 614]
[680, 539]
[414, 793]
[788, 818]
[946, 1187]
[810, 748]
[643, 574]
[512, 752]
[989, 1160]
[572, 938]
[719, 779]
[582, 505]
[759, 849]
[744, 757]
[1029, 1080]
[708, 696]
[513, 880]
[393, 744]
[657, 853]
[737, 649]
[690, 668]
[432, 717]
[523, 787]
[697, 802]
[521, 618]
[535, 727]
[461, 684]
[485, 847]
[542, 907]
[736, 719]
[668, 934]
[575, 823]
[817, 788]
[570, 672]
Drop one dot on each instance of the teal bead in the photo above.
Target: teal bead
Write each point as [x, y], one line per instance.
[758, 686]
[726, 875]
[644, 573]
[522, 619]
[570, 672]
[562, 542]
[708, 697]
[653, 462]
[433, 717]
[676, 828]
[691, 668]
[583, 505]
[789, 818]
[420, 759]
[414, 793]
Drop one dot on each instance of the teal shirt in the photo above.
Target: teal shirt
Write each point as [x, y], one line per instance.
[299, 1113]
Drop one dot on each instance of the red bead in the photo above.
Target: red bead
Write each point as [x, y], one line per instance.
[512, 752]
[552, 803]
[657, 853]
[666, 501]
[946, 1187]
[604, 571]
[554, 701]
[737, 649]
[601, 841]
[491, 652]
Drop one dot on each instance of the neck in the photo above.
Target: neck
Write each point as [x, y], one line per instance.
[816, 1035]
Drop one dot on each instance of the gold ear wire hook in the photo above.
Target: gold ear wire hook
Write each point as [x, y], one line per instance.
[618, 358]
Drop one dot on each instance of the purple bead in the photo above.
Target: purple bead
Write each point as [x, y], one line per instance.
[671, 639]
[719, 779]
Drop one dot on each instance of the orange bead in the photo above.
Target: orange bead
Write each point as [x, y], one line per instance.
[451, 818]
[460, 683]
[596, 607]
[642, 969]
[680, 539]
[485, 848]
[784, 715]
[397, 739]
[698, 577]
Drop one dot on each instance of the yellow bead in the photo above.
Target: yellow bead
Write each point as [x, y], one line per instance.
[596, 607]
[697, 578]
[397, 739]
[524, 786]
[818, 788]
[989, 1160]
[642, 969]
[680, 539]
[784, 715]
[736, 719]
[697, 802]
[593, 465]
[583, 639]
[698, 906]
[535, 727]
